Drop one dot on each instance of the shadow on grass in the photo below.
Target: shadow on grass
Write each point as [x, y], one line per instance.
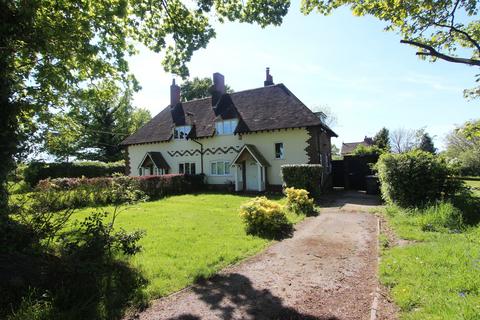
[233, 296]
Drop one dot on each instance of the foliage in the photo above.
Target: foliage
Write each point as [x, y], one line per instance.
[363, 150]
[414, 178]
[92, 192]
[441, 217]
[439, 29]
[437, 275]
[37, 171]
[61, 262]
[265, 218]
[463, 148]
[45, 58]
[304, 176]
[299, 202]
[98, 119]
[382, 139]
[425, 142]
[197, 88]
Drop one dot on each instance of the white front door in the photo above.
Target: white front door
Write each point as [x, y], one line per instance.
[252, 175]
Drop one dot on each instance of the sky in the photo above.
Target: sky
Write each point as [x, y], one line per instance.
[350, 64]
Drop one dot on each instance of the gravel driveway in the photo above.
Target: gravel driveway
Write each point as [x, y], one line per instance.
[327, 270]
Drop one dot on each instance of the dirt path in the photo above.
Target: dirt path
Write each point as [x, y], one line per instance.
[326, 271]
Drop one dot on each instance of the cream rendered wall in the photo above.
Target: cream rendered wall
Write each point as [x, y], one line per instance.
[294, 143]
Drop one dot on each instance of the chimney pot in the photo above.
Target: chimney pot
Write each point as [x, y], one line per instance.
[174, 94]
[268, 78]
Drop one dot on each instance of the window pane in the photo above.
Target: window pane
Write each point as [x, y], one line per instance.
[220, 168]
[227, 167]
[279, 150]
[227, 127]
[219, 127]
[192, 168]
[234, 124]
[214, 168]
[180, 168]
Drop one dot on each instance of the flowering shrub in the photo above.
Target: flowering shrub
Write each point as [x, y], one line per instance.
[265, 218]
[299, 202]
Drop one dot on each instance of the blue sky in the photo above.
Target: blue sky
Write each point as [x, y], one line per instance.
[365, 76]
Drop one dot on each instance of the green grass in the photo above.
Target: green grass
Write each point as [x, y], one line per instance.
[475, 184]
[188, 237]
[435, 277]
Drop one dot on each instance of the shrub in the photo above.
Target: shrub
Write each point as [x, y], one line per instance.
[265, 218]
[65, 193]
[413, 179]
[441, 217]
[303, 176]
[363, 150]
[299, 202]
[37, 171]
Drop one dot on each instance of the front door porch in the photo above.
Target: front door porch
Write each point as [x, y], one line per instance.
[250, 170]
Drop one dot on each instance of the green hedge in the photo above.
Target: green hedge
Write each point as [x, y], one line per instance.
[37, 171]
[90, 192]
[303, 176]
[414, 178]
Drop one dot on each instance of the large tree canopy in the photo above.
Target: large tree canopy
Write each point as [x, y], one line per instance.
[446, 29]
[198, 88]
[49, 48]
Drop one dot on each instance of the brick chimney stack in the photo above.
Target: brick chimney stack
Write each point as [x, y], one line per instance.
[174, 94]
[268, 78]
[218, 87]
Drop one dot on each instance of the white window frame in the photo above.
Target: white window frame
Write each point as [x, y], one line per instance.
[178, 131]
[282, 156]
[226, 167]
[221, 126]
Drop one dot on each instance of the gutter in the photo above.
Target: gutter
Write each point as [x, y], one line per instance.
[201, 154]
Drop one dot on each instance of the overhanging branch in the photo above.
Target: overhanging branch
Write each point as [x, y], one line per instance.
[431, 51]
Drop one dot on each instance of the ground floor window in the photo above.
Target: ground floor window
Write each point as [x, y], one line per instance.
[187, 168]
[220, 168]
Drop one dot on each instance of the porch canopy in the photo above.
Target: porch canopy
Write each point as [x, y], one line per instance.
[153, 163]
[249, 167]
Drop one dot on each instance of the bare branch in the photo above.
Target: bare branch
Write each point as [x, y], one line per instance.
[434, 53]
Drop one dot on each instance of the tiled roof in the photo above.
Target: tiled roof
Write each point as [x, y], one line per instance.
[254, 152]
[349, 147]
[265, 108]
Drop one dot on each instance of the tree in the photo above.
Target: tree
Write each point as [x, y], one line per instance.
[425, 142]
[329, 118]
[447, 29]
[101, 118]
[49, 49]
[403, 140]
[382, 139]
[463, 147]
[198, 88]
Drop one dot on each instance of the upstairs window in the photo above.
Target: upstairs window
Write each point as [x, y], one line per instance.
[279, 151]
[225, 127]
[181, 132]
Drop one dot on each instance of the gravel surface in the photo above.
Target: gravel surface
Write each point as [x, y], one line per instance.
[327, 270]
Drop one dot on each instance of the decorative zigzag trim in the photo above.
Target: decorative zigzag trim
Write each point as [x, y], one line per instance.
[207, 151]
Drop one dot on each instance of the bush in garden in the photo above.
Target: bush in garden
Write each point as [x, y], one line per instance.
[303, 176]
[265, 218]
[299, 202]
[441, 217]
[414, 178]
[37, 171]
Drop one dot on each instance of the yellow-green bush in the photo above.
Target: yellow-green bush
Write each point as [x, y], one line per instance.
[265, 218]
[299, 202]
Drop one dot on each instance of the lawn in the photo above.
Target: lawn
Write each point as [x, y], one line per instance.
[435, 277]
[475, 184]
[188, 237]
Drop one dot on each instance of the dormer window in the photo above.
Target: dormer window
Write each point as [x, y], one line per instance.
[226, 127]
[181, 132]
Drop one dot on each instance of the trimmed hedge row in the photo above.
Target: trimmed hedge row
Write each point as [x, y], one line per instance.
[84, 192]
[414, 178]
[37, 171]
[303, 176]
